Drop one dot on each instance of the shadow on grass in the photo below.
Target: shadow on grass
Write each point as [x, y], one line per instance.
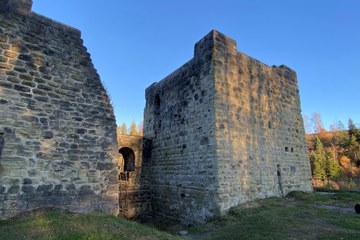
[298, 216]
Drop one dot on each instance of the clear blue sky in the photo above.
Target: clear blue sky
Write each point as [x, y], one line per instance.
[134, 43]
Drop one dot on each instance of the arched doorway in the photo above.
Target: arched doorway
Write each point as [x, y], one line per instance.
[134, 191]
[129, 159]
[126, 165]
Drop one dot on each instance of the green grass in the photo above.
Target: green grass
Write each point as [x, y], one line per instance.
[57, 225]
[298, 216]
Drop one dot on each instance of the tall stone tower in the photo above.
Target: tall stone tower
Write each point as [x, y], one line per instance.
[226, 129]
[58, 144]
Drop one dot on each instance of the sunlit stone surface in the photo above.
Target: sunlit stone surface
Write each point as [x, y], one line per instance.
[59, 134]
[226, 129]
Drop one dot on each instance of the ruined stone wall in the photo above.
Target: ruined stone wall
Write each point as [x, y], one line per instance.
[261, 149]
[180, 119]
[59, 132]
[226, 129]
[134, 187]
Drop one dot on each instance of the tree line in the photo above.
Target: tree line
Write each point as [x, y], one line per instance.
[334, 153]
[133, 130]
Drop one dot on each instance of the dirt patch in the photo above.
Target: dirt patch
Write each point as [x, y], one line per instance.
[336, 208]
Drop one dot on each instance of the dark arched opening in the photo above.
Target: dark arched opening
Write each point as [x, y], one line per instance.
[129, 159]
[157, 103]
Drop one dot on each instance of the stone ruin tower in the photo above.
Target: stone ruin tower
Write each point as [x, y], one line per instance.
[221, 130]
[58, 144]
[226, 129]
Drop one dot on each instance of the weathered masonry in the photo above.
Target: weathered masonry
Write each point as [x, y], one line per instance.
[226, 129]
[58, 143]
[134, 187]
[221, 130]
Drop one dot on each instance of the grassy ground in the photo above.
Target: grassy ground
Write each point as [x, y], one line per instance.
[299, 216]
[57, 225]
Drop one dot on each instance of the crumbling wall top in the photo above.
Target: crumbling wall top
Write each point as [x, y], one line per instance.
[24, 7]
[19, 6]
[214, 39]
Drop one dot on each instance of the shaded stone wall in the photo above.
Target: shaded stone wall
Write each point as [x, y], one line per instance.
[134, 187]
[180, 119]
[226, 129]
[59, 132]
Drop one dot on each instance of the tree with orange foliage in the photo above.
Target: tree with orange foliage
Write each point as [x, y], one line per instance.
[334, 151]
[141, 128]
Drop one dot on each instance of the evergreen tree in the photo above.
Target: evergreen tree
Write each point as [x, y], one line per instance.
[332, 166]
[123, 129]
[336, 152]
[353, 131]
[133, 129]
[318, 159]
[353, 149]
[352, 145]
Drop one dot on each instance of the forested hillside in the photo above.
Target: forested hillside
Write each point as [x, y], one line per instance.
[334, 154]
